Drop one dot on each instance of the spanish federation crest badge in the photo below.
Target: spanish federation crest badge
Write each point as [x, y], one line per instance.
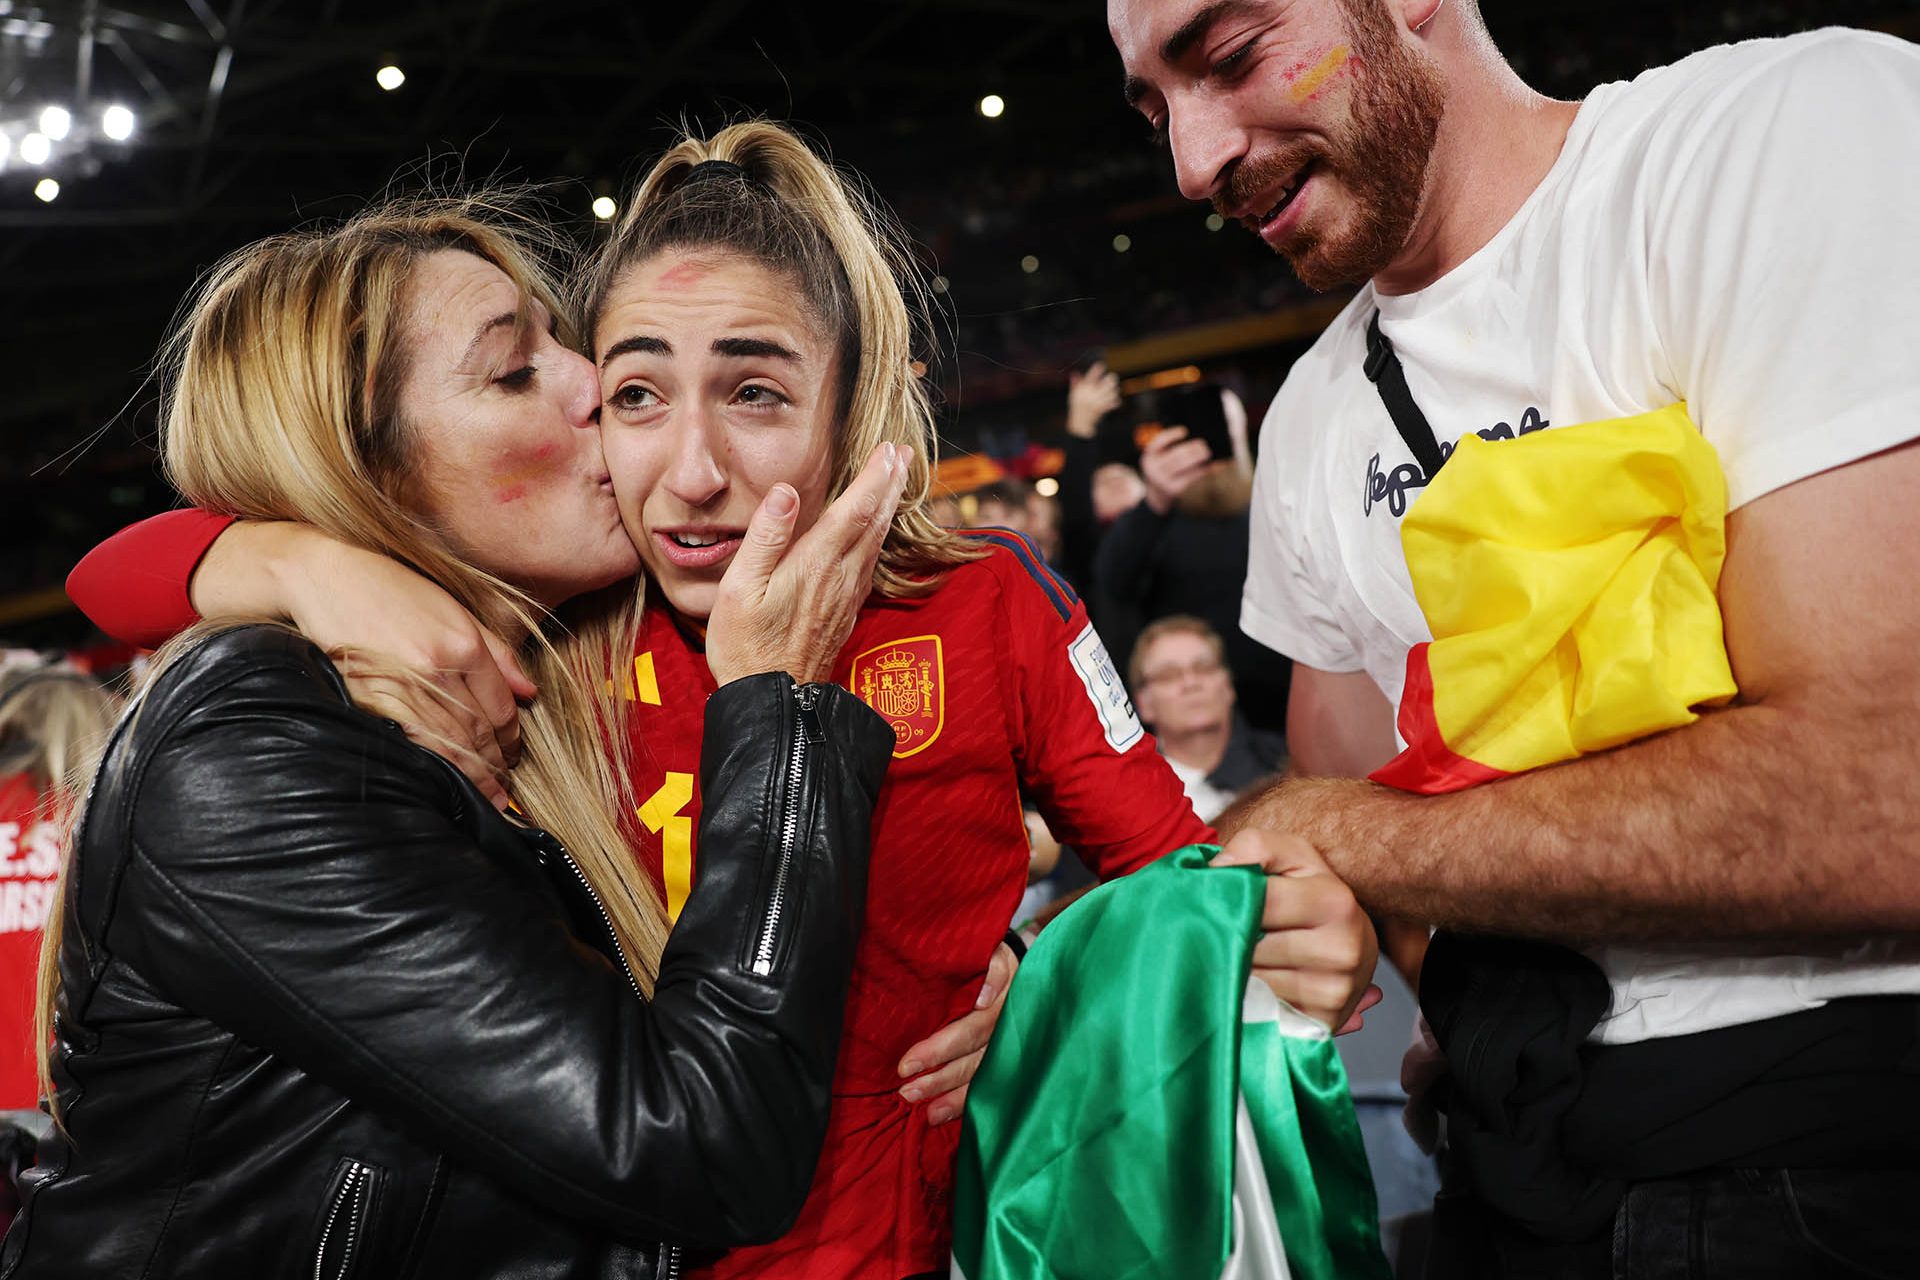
[905, 681]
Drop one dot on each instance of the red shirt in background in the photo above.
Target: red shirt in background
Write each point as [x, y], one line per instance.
[29, 869]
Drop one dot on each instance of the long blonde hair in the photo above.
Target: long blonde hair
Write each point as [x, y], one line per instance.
[52, 725]
[783, 206]
[281, 403]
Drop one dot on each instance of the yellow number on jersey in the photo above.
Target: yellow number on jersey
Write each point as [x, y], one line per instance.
[662, 816]
[642, 685]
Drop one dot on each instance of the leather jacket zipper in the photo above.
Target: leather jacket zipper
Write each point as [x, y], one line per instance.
[605, 919]
[671, 1251]
[353, 1192]
[806, 729]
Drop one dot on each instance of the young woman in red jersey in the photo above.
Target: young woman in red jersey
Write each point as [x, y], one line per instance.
[751, 322]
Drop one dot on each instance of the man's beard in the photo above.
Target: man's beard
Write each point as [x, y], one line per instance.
[1379, 155]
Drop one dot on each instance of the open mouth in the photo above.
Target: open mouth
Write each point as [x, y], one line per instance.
[697, 548]
[1259, 223]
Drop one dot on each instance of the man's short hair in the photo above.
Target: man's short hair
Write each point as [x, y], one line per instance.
[1172, 624]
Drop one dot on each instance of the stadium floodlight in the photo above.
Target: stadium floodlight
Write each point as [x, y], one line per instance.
[34, 148]
[47, 189]
[389, 77]
[993, 106]
[117, 122]
[55, 121]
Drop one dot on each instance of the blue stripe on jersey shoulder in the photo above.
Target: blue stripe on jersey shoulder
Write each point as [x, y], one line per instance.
[1036, 566]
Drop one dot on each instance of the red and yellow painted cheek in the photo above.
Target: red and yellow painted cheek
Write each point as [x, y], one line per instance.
[1307, 79]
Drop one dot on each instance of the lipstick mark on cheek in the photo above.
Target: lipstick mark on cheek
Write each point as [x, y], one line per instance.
[520, 466]
[1309, 82]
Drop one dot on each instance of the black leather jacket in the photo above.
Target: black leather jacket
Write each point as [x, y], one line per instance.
[326, 1013]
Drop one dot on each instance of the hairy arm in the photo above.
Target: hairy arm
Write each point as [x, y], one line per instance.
[1791, 814]
[1339, 725]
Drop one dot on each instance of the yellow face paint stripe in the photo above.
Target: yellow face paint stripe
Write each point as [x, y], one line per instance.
[1317, 75]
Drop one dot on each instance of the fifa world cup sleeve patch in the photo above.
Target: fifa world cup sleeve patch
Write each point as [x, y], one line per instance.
[1104, 690]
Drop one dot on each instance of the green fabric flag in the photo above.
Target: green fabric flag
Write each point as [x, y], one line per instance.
[1147, 1110]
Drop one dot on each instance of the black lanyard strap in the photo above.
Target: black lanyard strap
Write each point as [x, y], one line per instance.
[1384, 371]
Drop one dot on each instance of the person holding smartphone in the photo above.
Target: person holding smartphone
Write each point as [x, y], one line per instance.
[1183, 548]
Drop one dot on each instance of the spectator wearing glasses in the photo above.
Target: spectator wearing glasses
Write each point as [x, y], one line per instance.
[1184, 690]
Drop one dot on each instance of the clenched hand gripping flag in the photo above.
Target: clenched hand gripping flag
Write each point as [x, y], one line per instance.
[1569, 579]
[1146, 1110]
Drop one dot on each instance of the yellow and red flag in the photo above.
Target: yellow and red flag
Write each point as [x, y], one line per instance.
[1569, 578]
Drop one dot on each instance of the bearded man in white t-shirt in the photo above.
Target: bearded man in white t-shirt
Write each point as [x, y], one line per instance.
[1706, 1049]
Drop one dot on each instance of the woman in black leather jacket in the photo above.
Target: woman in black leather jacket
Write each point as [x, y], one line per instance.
[321, 1010]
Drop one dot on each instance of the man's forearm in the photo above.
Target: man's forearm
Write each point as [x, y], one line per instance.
[1759, 821]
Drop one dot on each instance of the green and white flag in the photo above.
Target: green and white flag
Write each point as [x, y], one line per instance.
[1147, 1110]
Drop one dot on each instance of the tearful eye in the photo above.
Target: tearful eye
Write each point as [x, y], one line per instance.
[754, 393]
[631, 396]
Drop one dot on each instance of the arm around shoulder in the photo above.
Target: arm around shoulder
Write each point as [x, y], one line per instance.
[304, 877]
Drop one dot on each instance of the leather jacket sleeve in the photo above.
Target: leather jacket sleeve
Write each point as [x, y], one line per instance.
[294, 871]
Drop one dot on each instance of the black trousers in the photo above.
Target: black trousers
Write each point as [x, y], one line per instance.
[1726, 1224]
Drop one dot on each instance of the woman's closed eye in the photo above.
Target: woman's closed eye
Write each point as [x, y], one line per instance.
[517, 380]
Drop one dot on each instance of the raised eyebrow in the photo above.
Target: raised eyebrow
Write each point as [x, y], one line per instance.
[645, 343]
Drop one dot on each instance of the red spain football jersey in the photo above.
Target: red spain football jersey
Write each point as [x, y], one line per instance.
[996, 687]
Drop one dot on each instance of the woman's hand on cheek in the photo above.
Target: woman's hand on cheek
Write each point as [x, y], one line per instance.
[789, 604]
[944, 1064]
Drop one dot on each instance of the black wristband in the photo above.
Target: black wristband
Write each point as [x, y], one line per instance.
[1016, 944]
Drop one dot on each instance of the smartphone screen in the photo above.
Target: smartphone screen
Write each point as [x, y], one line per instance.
[1194, 405]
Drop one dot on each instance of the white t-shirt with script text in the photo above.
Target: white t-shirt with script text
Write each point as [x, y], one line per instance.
[1739, 230]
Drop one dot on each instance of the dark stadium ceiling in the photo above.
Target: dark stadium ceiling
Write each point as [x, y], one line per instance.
[252, 115]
